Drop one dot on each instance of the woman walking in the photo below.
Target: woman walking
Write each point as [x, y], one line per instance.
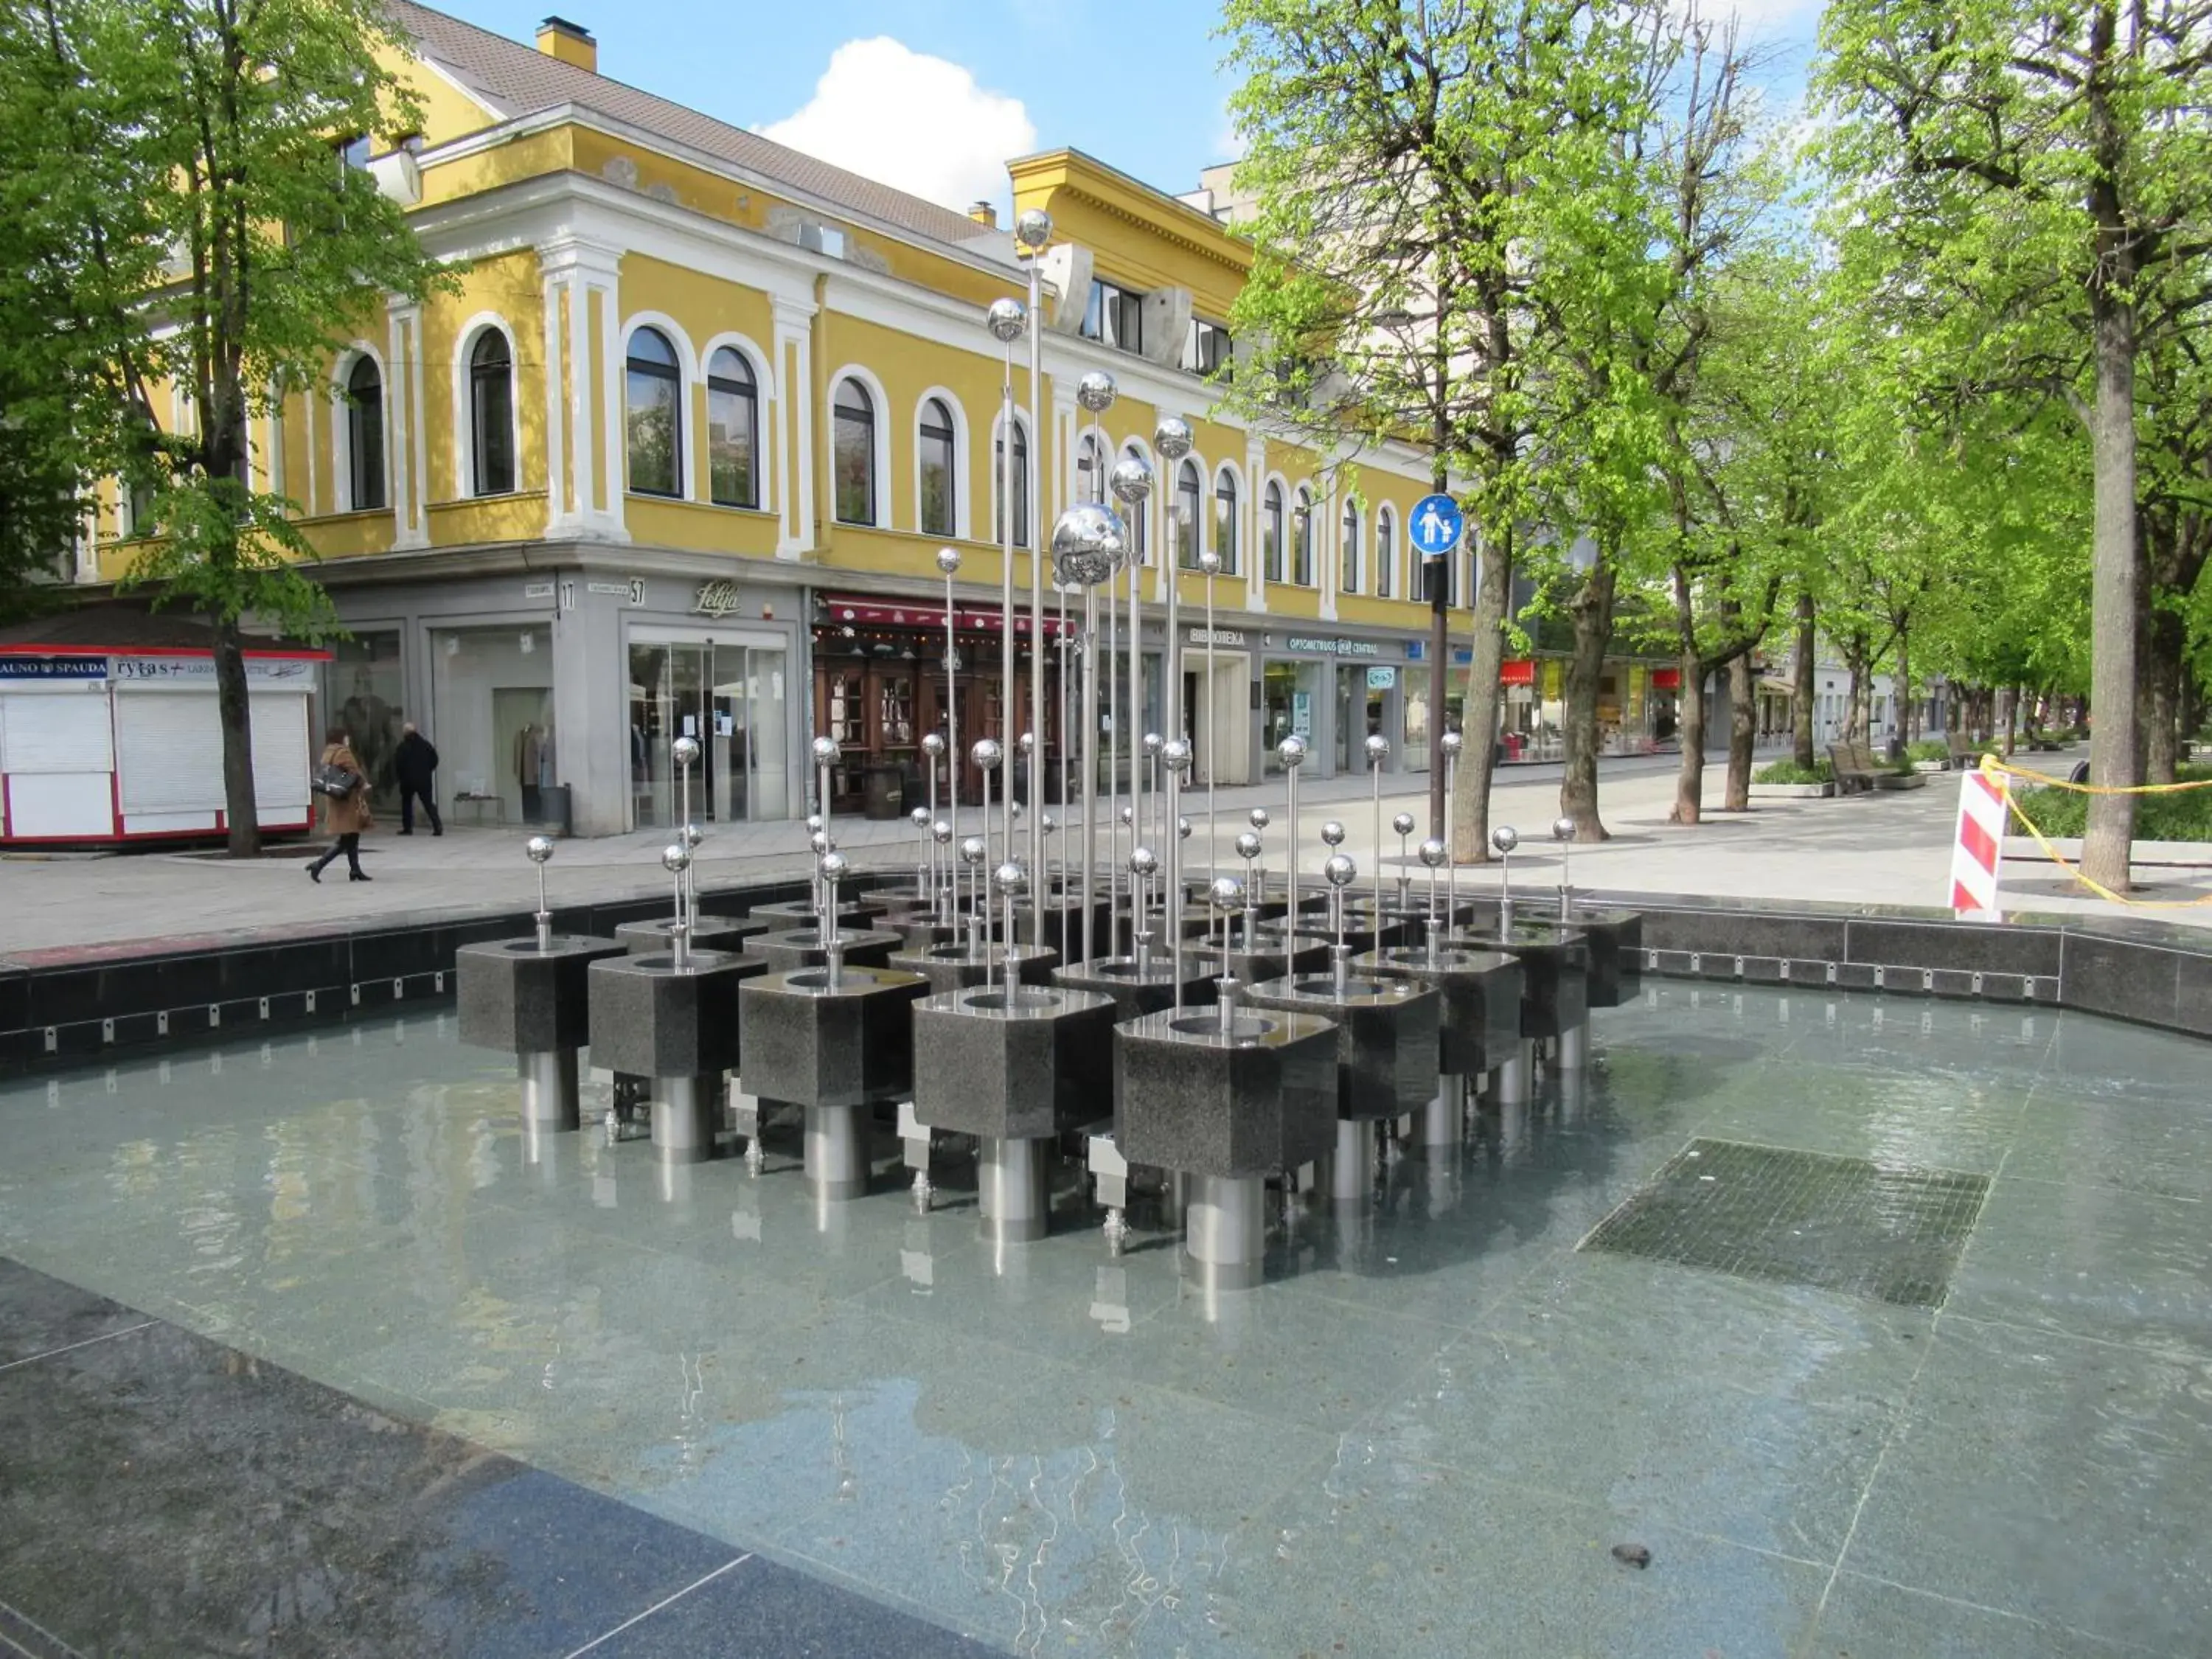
[345, 812]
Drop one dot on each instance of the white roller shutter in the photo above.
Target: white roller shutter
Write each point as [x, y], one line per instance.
[280, 753]
[169, 752]
[54, 731]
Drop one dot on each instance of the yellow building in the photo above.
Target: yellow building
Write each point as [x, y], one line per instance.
[679, 455]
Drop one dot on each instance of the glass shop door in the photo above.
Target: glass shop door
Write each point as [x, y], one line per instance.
[730, 699]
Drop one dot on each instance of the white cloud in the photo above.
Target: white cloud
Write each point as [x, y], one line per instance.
[917, 122]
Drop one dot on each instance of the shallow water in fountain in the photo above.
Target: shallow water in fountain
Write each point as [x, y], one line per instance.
[1849, 1410]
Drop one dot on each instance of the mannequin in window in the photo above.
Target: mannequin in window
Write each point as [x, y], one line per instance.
[529, 769]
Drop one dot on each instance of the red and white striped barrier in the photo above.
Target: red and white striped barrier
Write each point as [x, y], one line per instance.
[1979, 847]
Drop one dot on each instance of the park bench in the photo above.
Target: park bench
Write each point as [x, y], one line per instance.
[1853, 765]
[1965, 754]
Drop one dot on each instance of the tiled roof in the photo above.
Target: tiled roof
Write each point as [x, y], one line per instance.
[519, 80]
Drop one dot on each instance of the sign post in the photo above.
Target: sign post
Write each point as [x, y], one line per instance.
[1436, 525]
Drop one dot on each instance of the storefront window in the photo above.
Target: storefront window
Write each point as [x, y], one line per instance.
[491, 705]
[1358, 714]
[730, 698]
[1288, 693]
[365, 689]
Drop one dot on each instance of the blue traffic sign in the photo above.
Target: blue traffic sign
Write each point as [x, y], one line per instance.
[1437, 524]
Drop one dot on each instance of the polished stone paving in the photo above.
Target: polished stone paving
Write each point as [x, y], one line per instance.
[400, 1379]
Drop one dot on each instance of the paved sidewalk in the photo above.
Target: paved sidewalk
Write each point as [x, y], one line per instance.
[1885, 849]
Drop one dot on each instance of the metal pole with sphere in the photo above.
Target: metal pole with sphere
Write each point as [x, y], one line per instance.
[1032, 232]
[1291, 751]
[1131, 483]
[1402, 826]
[948, 561]
[1088, 544]
[1209, 561]
[1563, 831]
[1173, 439]
[986, 755]
[1174, 755]
[1006, 321]
[933, 751]
[1449, 745]
[1378, 750]
[1094, 392]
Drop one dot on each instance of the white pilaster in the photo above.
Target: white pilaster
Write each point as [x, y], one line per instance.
[406, 445]
[789, 422]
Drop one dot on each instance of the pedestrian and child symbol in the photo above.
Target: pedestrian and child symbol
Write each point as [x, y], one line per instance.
[1437, 525]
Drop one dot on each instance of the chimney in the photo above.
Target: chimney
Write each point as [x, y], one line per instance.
[984, 214]
[571, 43]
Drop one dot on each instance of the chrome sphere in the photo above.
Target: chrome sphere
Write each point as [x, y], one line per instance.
[988, 753]
[537, 848]
[1378, 749]
[1016, 811]
[1402, 825]
[933, 745]
[1144, 862]
[1128, 814]
[1153, 743]
[820, 842]
[1434, 852]
[919, 817]
[1010, 878]
[1131, 480]
[684, 752]
[941, 832]
[813, 822]
[1505, 838]
[1094, 392]
[1006, 321]
[1089, 544]
[1332, 834]
[948, 560]
[1453, 743]
[693, 835]
[1563, 828]
[1051, 825]
[1247, 846]
[1291, 751]
[1033, 230]
[1339, 871]
[676, 858]
[972, 850]
[1026, 743]
[826, 751]
[1258, 817]
[1226, 892]
[1183, 828]
[1173, 438]
[1209, 562]
[833, 866]
[1176, 755]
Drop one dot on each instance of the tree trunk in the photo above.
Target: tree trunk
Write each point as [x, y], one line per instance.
[2165, 637]
[1493, 587]
[233, 707]
[1854, 663]
[1689, 775]
[1742, 731]
[1801, 712]
[1905, 709]
[2115, 581]
[1591, 612]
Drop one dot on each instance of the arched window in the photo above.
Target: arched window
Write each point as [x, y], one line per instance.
[853, 454]
[1385, 555]
[1302, 539]
[491, 414]
[1271, 532]
[733, 429]
[1350, 551]
[1090, 474]
[937, 468]
[654, 390]
[1190, 510]
[1021, 486]
[365, 436]
[1139, 516]
[1225, 520]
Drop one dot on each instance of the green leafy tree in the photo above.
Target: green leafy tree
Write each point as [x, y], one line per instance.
[225, 240]
[2035, 182]
[1417, 171]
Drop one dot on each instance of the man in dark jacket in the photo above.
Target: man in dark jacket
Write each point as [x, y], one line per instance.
[413, 763]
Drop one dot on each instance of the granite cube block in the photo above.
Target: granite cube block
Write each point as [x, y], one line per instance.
[1387, 1038]
[513, 997]
[1479, 1010]
[651, 1020]
[1190, 1100]
[1038, 1063]
[806, 1044]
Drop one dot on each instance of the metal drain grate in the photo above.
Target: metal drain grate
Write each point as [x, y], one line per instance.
[1836, 1223]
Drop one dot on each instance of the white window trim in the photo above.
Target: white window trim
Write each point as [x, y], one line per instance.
[768, 400]
[1315, 545]
[1260, 527]
[1235, 475]
[880, 462]
[1027, 429]
[1351, 516]
[688, 381]
[342, 427]
[1383, 516]
[1203, 531]
[963, 462]
[464, 478]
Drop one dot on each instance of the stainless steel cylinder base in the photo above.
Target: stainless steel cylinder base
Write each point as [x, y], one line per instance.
[1573, 1054]
[549, 1098]
[1351, 1168]
[1010, 1189]
[1225, 1238]
[685, 1111]
[837, 1152]
[1443, 1120]
[1513, 1076]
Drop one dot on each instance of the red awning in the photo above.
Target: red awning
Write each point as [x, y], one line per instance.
[1523, 672]
[875, 611]
[1666, 679]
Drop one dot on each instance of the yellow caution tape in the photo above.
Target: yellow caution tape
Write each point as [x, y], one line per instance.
[1991, 763]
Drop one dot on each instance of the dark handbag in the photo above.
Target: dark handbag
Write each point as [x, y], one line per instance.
[336, 782]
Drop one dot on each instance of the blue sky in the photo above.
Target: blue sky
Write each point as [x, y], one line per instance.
[932, 95]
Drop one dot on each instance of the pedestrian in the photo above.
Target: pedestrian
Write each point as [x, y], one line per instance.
[414, 762]
[345, 808]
